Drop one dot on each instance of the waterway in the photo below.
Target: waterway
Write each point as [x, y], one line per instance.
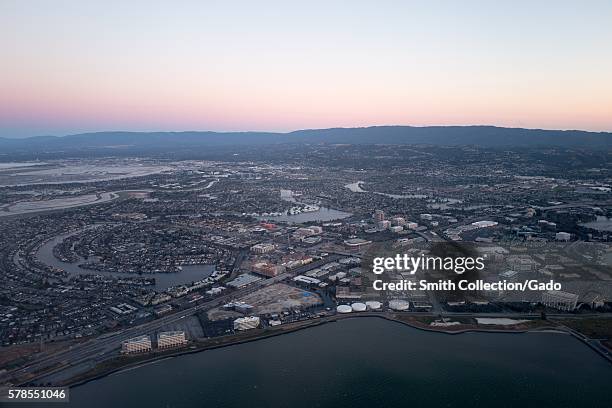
[323, 214]
[25, 207]
[367, 362]
[190, 273]
[356, 187]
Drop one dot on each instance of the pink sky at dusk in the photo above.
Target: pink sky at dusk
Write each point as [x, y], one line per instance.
[72, 67]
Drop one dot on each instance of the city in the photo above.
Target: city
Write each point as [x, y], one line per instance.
[198, 253]
[328, 204]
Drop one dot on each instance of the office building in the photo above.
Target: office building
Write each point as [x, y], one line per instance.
[171, 339]
[139, 344]
[379, 215]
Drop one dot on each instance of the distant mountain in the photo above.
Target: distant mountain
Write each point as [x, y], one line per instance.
[486, 136]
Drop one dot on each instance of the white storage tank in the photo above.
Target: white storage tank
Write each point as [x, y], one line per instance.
[344, 309]
[399, 304]
[373, 305]
[359, 307]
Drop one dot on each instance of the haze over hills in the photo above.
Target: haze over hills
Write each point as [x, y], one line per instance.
[485, 136]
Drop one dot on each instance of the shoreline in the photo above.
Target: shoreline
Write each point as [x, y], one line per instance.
[76, 382]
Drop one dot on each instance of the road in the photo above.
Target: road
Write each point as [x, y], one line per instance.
[103, 346]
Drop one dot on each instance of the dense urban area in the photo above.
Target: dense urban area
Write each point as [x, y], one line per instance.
[109, 260]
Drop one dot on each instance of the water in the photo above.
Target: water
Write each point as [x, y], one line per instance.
[190, 273]
[322, 214]
[13, 165]
[367, 362]
[24, 207]
[356, 188]
[79, 173]
[444, 203]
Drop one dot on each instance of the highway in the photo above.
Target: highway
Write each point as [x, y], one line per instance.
[109, 343]
[105, 345]
[83, 356]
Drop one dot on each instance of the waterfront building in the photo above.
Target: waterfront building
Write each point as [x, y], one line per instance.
[558, 299]
[246, 323]
[171, 339]
[139, 344]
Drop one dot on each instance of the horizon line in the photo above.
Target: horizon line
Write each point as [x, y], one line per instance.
[304, 129]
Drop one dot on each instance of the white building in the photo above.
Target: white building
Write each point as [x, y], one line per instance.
[246, 323]
[171, 339]
[139, 344]
[262, 248]
[316, 229]
[560, 300]
[563, 236]
[484, 224]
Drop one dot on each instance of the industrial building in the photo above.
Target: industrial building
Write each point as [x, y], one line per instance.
[558, 299]
[373, 305]
[243, 280]
[399, 304]
[359, 307]
[356, 243]
[246, 323]
[344, 309]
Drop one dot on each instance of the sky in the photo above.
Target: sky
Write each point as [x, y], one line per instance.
[76, 66]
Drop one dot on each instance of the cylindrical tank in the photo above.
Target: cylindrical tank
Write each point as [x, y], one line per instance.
[359, 307]
[344, 309]
[399, 304]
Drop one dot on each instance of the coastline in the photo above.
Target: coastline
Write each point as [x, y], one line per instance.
[294, 327]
